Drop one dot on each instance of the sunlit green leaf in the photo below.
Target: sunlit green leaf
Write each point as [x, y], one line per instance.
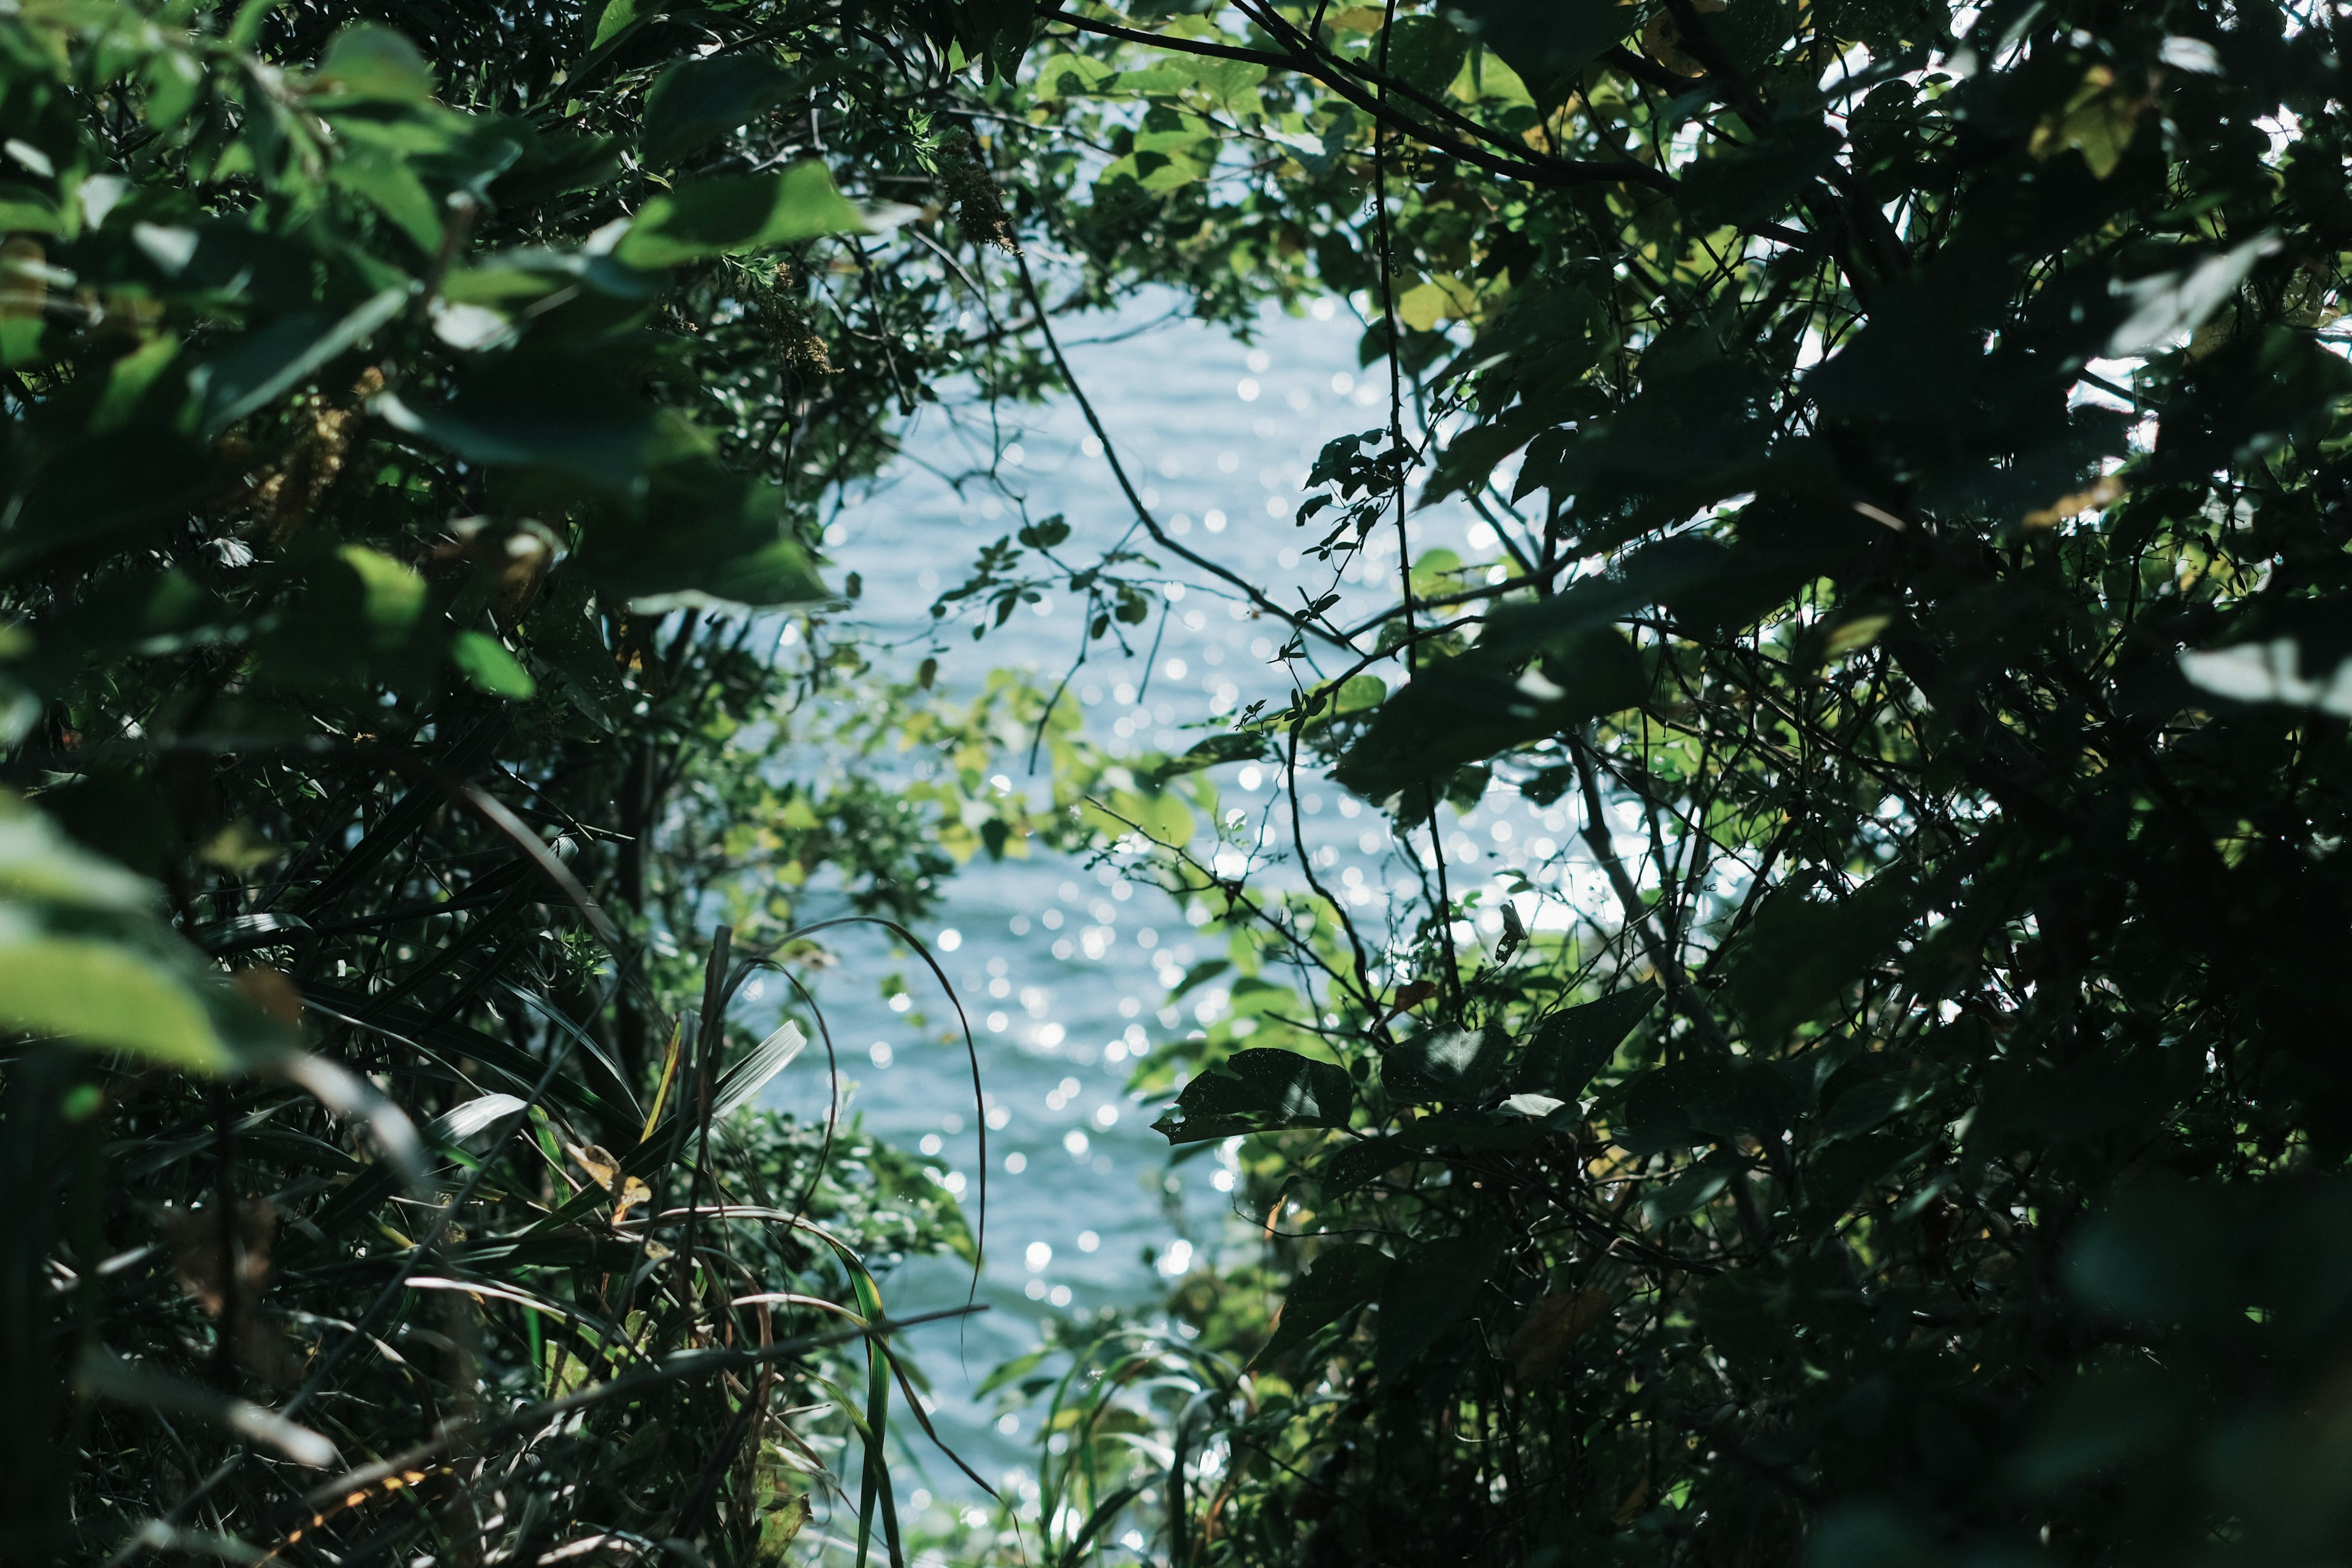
[102, 994]
[739, 213]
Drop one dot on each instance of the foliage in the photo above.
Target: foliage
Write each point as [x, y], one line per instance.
[1899, 1123]
[411, 494]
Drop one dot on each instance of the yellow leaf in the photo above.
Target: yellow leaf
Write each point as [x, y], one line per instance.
[668, 1075]
[2106, 493]
[271, 994]
[238, 847]
[1858, 632]
[2099, 122]
[1662, 41]
[1446, 298]
[600, 1165]
[1422, 308]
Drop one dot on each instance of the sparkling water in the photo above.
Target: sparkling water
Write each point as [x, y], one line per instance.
[1066, 971]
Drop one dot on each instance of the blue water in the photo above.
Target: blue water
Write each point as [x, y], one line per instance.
[1066, 970]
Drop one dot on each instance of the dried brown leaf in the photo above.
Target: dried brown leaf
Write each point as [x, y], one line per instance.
[1551, 1329]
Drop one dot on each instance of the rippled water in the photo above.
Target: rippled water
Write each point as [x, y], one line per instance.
[1066, 970]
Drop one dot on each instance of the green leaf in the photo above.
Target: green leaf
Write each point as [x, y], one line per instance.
[39, 864]
[1700, 1099]
[1427, 1293]
[1234, 84]
[1259, 1091]
[2282, 670]
[1254, 997]
[1868, 1104]
[1446, 1064]
[105, 994]
[1019, 1366]
[174, 80]
[1343, 1275]
[1069, 75]
[1356, 1163]
[28, 210]
[1802, 951]
[102, 1374]
[2168, 307]
[265, 365]
[130, 379]
[743, 213]
[1466, 709]
[2161, 1252]
[1247, 746]
[761, 1064]
[391, 595]
[1425, 51]
[767, 576]
[2102, 1418]
[1870, 1535]
[388, 183]
[696, 101]
[1917, 358]
[1688, 1193]
[1045, 533]
[368, 61]
[1753, 182]
[1570, 1045]
[1158, 815]
[615, 16]
[1469, 458]
[539, 409]
[1545, 41]
[1207, 969]
[488, 667]
[1463, 1129]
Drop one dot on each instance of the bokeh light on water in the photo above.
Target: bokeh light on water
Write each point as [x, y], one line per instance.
[1065, 969]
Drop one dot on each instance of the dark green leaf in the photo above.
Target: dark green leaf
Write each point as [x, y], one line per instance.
[273, 360]
[1570, 1045]
[1207, 969]
[1359, 1162]
[1546, 41]
[536, 410]
[1463, 711]
[2161, 1253]
[1426, 52]
[1247, 746]
[1426, 1292]
[1753, 183]
[696, 101]
[2101, 1419]
[741, 213]
[1255, 1091]
[1453, 1064]
[1802, 951]
[1344, 1275]
[371, 62]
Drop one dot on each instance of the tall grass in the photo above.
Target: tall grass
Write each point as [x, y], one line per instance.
[590, 1320]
